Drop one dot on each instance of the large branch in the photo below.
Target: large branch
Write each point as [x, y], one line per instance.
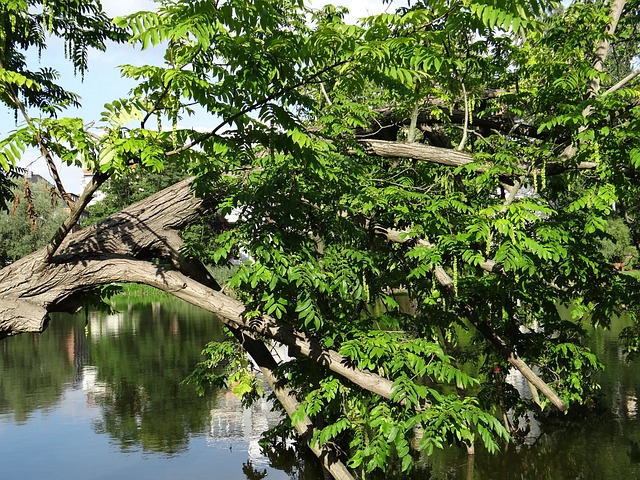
[602, 50]
[446, 281]
[448, 156]
[388, 123]
[500, 344]
[121, 249]
[287, 399]
[601, 53]
[417, 151]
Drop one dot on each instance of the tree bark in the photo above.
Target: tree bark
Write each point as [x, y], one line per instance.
[122, 248]
[418, 151]
[448, 156]
[305, 428]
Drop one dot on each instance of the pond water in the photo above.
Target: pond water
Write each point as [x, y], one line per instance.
[99, 396]
[103, 399]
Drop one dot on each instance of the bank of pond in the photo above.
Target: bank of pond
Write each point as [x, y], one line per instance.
[100, 395]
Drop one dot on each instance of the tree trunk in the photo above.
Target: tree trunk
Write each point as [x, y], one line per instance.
[122, 248]
[125, 248]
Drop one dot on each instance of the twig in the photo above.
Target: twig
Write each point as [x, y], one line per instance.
[252, 107]
[465, 129]
[325, 94]
[622, 83]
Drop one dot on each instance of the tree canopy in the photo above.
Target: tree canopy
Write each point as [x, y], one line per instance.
[418, 193]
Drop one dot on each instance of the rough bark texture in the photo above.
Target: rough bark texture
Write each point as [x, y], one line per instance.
[122, 249]
[419, 151]
[117, 249]
[305, 428]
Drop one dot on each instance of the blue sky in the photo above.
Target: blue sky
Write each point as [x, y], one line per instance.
[102, 82]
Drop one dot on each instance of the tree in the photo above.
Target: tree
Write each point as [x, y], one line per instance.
[35, 216]
[618, 248]
[431, 153]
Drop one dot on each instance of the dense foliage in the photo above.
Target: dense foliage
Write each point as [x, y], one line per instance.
[420, 192]
[36, 93]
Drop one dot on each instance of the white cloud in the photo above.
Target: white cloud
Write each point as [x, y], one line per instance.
[115, 8]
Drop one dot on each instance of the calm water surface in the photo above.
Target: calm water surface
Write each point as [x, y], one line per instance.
[100, 397]
[104, 401]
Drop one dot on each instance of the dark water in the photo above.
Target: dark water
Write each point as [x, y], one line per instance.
[603, 446]
[105, 401]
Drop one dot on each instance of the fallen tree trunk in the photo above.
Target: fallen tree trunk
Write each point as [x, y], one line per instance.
[122, 248]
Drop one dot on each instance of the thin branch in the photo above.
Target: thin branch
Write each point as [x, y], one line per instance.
[156, 106]
[305, 428]
[446, 281]
[622, 83]
[325, 94]
[74, 215]
[44, 149]
[252, 107]
[512, 192]
[413, 124]
[465, 129]
[408, 187]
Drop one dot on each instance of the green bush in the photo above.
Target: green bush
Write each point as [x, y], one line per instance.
[618, 248]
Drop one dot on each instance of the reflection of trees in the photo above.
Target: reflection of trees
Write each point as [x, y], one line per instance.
[296, 462]
[35, 368]
[141, 363]
[602, 443]
[300, 464]
[144, 405]
[599, 444]
[252, 473]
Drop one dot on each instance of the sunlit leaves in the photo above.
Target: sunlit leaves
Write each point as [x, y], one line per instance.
[290, 91]
[11, 149]
[225, 366]
[25, 25]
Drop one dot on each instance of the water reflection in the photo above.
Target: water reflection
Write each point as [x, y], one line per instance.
[117, 376]
[101, 397]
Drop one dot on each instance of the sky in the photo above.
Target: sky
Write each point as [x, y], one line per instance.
[102, 82]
